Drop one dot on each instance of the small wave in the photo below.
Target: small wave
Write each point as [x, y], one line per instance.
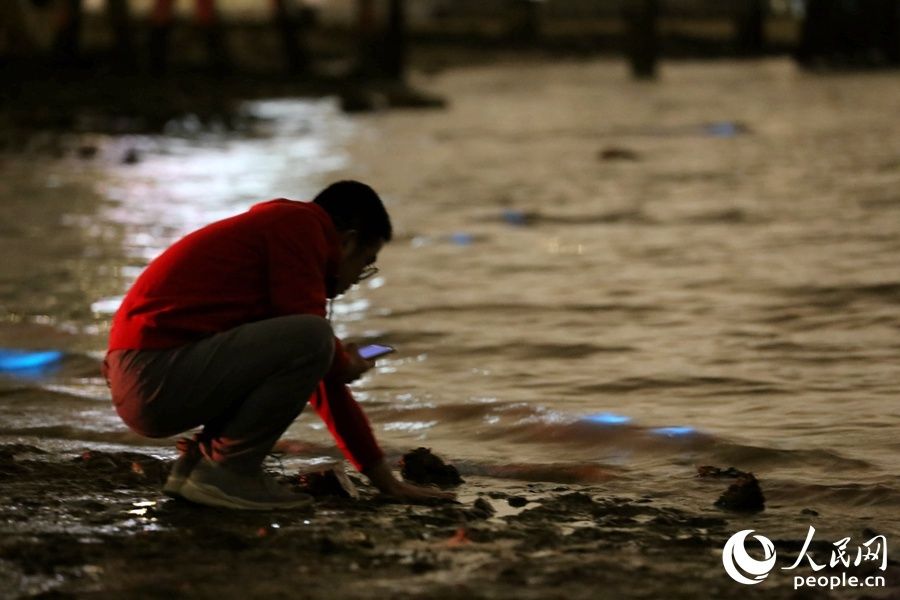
[567, 473]
[408, 338]
[43, 395]
[610, 438]
[881, 203]
[844, 494]
[81, 434]
[691, 176]
[728, 217]
[750, 456]
[527, 351]
[536, 218]
[816, 353]
[841, 296]
[717, 129]
[717, 385]
[511, 308]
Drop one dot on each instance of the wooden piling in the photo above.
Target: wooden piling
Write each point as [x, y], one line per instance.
[66, 48]
[642, 36]
[293, 41]
[395, 42]
[749, 26]
[123, 39]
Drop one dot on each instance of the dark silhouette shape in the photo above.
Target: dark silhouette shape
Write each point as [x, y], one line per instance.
[207, 18]
[848, 33]
[67, 40]
[744, 495]
[749, 28]
[526, 27]
[293, 39]
[421, 466]
[642, 37]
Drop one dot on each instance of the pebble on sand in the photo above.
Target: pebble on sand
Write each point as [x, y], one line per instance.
[616, 153]
[517, 501]
[421, 466]
[744, 495]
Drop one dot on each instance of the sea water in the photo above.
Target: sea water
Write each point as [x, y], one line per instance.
[593, 280]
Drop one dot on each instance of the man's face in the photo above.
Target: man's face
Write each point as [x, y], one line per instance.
[357, 258]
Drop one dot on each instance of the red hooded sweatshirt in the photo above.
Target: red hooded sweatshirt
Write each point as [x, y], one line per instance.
[274, 260]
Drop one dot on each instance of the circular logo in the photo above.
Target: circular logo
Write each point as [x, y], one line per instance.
[735, 558]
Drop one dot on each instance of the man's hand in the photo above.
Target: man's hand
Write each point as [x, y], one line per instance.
[383, 478]
[356, 366]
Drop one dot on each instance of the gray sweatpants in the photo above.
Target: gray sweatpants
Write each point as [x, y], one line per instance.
[244, 386]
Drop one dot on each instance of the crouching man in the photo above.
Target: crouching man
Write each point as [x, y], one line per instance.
[226, 330]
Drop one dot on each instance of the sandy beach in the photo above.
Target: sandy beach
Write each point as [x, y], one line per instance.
[96, 526]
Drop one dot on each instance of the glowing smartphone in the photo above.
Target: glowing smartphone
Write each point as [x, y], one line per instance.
[374, 351]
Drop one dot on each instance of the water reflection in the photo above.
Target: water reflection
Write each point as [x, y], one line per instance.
[197, 180]
[191, 181]
[742, 284]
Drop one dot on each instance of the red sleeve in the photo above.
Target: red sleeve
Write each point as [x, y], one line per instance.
[347, 423]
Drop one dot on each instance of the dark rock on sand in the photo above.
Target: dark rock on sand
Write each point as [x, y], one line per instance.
[131, 157]
[421, 466]
[422, 563]
[576, 500]
[743, 495]
[483, 507]
[615, 153]
[517, 501]
[69, 527]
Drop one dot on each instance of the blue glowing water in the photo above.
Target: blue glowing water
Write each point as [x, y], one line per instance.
[21, 360]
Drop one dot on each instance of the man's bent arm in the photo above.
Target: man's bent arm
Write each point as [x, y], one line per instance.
[347, 423]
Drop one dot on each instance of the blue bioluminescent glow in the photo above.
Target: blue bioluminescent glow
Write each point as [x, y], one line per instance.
[608, 419]
[515, 217]
[461, 238]
[17, 360]
[674, 431]
[724, 129]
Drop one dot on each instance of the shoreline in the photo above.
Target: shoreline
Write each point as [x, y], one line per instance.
[97, 525]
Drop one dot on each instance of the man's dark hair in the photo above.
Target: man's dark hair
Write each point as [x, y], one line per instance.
[354, 205]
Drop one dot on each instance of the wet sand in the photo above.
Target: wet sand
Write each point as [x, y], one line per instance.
[95, 525]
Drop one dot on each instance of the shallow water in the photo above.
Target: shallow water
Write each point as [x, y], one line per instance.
[729, 292]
